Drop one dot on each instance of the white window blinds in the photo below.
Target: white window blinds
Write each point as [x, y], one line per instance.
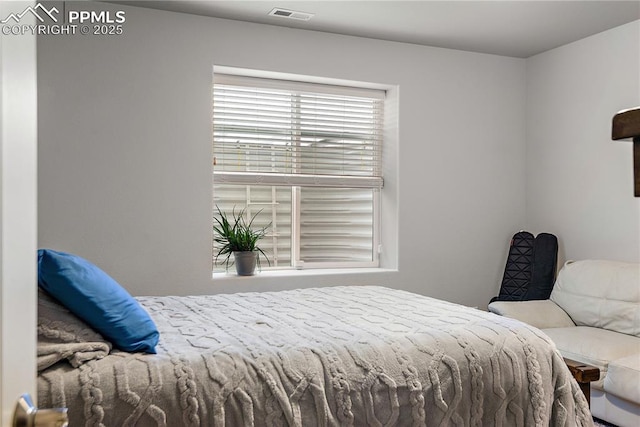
[287, 133]
[308, 158]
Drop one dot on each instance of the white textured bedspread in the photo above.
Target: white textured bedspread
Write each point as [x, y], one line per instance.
[341, 356]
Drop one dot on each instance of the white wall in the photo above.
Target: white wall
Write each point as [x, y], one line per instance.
[579, 181]
[125, 151]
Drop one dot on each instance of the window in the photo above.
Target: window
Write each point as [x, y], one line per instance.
[307, 157]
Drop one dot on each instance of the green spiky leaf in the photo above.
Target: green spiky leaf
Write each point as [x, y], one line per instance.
[237, 235]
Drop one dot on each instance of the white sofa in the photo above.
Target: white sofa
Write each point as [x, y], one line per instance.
[593, 317]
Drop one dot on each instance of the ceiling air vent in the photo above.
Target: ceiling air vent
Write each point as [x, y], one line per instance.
[291, 14]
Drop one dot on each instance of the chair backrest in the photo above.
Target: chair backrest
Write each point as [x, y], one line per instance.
[545, 264]
[601, 294]
[530, 269]
[517, 271]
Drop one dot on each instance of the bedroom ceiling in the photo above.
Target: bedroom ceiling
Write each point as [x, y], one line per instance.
[511, 28]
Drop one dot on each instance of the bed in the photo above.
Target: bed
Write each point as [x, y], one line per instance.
[334, 356]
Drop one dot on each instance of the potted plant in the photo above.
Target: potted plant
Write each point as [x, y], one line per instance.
[236, 236]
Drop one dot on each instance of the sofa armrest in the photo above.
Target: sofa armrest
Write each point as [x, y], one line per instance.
[539, 313]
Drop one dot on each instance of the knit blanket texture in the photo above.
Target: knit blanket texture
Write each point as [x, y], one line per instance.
[64, 337]
[335, 356]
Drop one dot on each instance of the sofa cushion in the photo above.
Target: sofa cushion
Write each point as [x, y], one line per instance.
[539, 313]
[594, 346]
[602, 294]
[623, 378]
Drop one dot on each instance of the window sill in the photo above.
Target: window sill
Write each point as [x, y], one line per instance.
[316, 272]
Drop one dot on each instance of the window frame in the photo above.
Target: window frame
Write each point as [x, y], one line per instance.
[221, 177]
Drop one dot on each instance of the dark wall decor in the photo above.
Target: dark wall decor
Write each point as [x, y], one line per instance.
[626, 124]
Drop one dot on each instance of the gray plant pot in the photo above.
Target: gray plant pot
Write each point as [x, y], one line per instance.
[245, 262]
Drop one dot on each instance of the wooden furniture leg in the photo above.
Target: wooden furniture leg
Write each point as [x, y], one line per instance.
[584, 375]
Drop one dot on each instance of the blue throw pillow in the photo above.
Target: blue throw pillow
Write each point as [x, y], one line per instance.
[96, 298]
